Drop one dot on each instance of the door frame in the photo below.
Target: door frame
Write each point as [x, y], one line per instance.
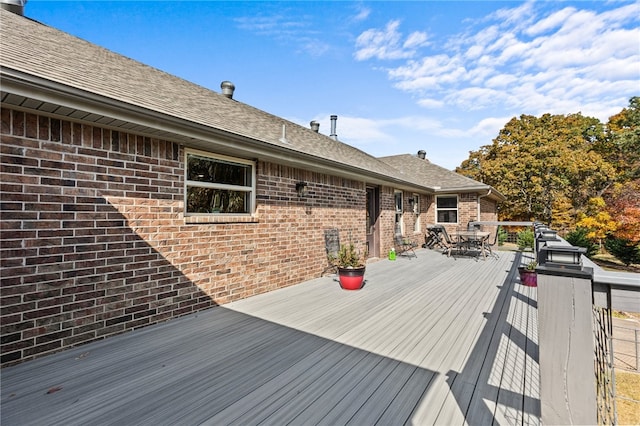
[372, 221]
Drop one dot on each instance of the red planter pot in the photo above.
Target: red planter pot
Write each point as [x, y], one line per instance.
[528, 278]
[351, 278]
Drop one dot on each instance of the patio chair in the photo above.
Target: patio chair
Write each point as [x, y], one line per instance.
[473, 226]
[449, 244]
[332, 247]
[431, 237]
[434, 237]
[404, 246]
[488, 245]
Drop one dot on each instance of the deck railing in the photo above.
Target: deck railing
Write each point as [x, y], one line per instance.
[586, 339]
[575, 302]
[629, 358]
[612, 291]
[604, 367]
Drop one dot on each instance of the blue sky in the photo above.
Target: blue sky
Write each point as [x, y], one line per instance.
[443, 76]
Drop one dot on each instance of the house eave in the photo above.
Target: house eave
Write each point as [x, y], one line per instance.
[484, 190]
[30, 93]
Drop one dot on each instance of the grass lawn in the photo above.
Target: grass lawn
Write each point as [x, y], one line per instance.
[628, 387]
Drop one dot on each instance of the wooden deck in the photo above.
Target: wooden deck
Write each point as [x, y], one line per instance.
[429, 340]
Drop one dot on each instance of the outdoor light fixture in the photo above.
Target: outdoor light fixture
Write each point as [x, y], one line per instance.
[548, 234]
[540, 228]
[544, 234]
[301, 189]
[562, 256]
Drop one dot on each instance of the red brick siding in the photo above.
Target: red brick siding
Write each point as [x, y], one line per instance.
[489, 212]
[94, 241]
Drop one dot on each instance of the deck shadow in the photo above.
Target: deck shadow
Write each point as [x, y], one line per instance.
[217, 366]
[489, 401]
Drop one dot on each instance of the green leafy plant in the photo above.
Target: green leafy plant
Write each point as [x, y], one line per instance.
[531, 266]
[579, 238]
[502, 235]
[525, 239]
[349, 257]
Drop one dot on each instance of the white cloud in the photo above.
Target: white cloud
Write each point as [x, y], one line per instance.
[315, 47]
[297, 31]
[501, 81]
[430, 72]
[431, 103]
[488, 127]
[387, 43]
[368, 133]
[416, 39]
[519, 18]
[474, 98]
[530, 59]
[551, 22]
[271, 25]
[362, 12]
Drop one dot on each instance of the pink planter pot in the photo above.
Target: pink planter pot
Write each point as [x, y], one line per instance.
[528, 278]
[351, 278]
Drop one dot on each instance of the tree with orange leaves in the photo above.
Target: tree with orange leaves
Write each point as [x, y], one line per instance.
[623, 204]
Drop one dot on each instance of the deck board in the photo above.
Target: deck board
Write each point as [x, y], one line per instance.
[428, 340]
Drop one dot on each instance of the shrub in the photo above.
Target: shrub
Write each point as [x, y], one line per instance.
[626, 251]
[525, 239]
[348, 257]
[578, 238]
[502, 235]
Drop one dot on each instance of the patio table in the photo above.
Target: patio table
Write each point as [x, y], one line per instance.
[468, 240]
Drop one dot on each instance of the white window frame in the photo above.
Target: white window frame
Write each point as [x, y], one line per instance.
[437, 210]
[417, 227]
[398, 203]
[250, 189]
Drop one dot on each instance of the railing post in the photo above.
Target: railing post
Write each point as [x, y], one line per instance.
[566, 350]
[565, 336]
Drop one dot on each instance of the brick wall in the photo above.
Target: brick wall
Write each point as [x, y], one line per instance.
[468, 211]
[387, 227]
[94, 241]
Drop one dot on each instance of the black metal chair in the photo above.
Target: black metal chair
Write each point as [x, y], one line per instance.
[435, 237]
[488, 245]
[449, 244]
[404, 246]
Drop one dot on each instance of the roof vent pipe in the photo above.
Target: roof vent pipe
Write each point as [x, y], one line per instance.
[227, 89]
[15, 6]
[315, 126]
[333, 134]
[422, 154]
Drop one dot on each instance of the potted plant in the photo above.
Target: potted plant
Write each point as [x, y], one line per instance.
[351, 267]
[528, 275]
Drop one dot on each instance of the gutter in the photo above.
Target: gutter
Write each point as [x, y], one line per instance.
[479, 197]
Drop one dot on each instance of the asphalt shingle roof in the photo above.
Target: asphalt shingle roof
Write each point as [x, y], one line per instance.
[431, 175]
[39, 50]
[57, 58]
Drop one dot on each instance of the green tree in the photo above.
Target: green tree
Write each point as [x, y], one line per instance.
[621, 147]
[579, 238]
[626, 251]
[544, 166]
